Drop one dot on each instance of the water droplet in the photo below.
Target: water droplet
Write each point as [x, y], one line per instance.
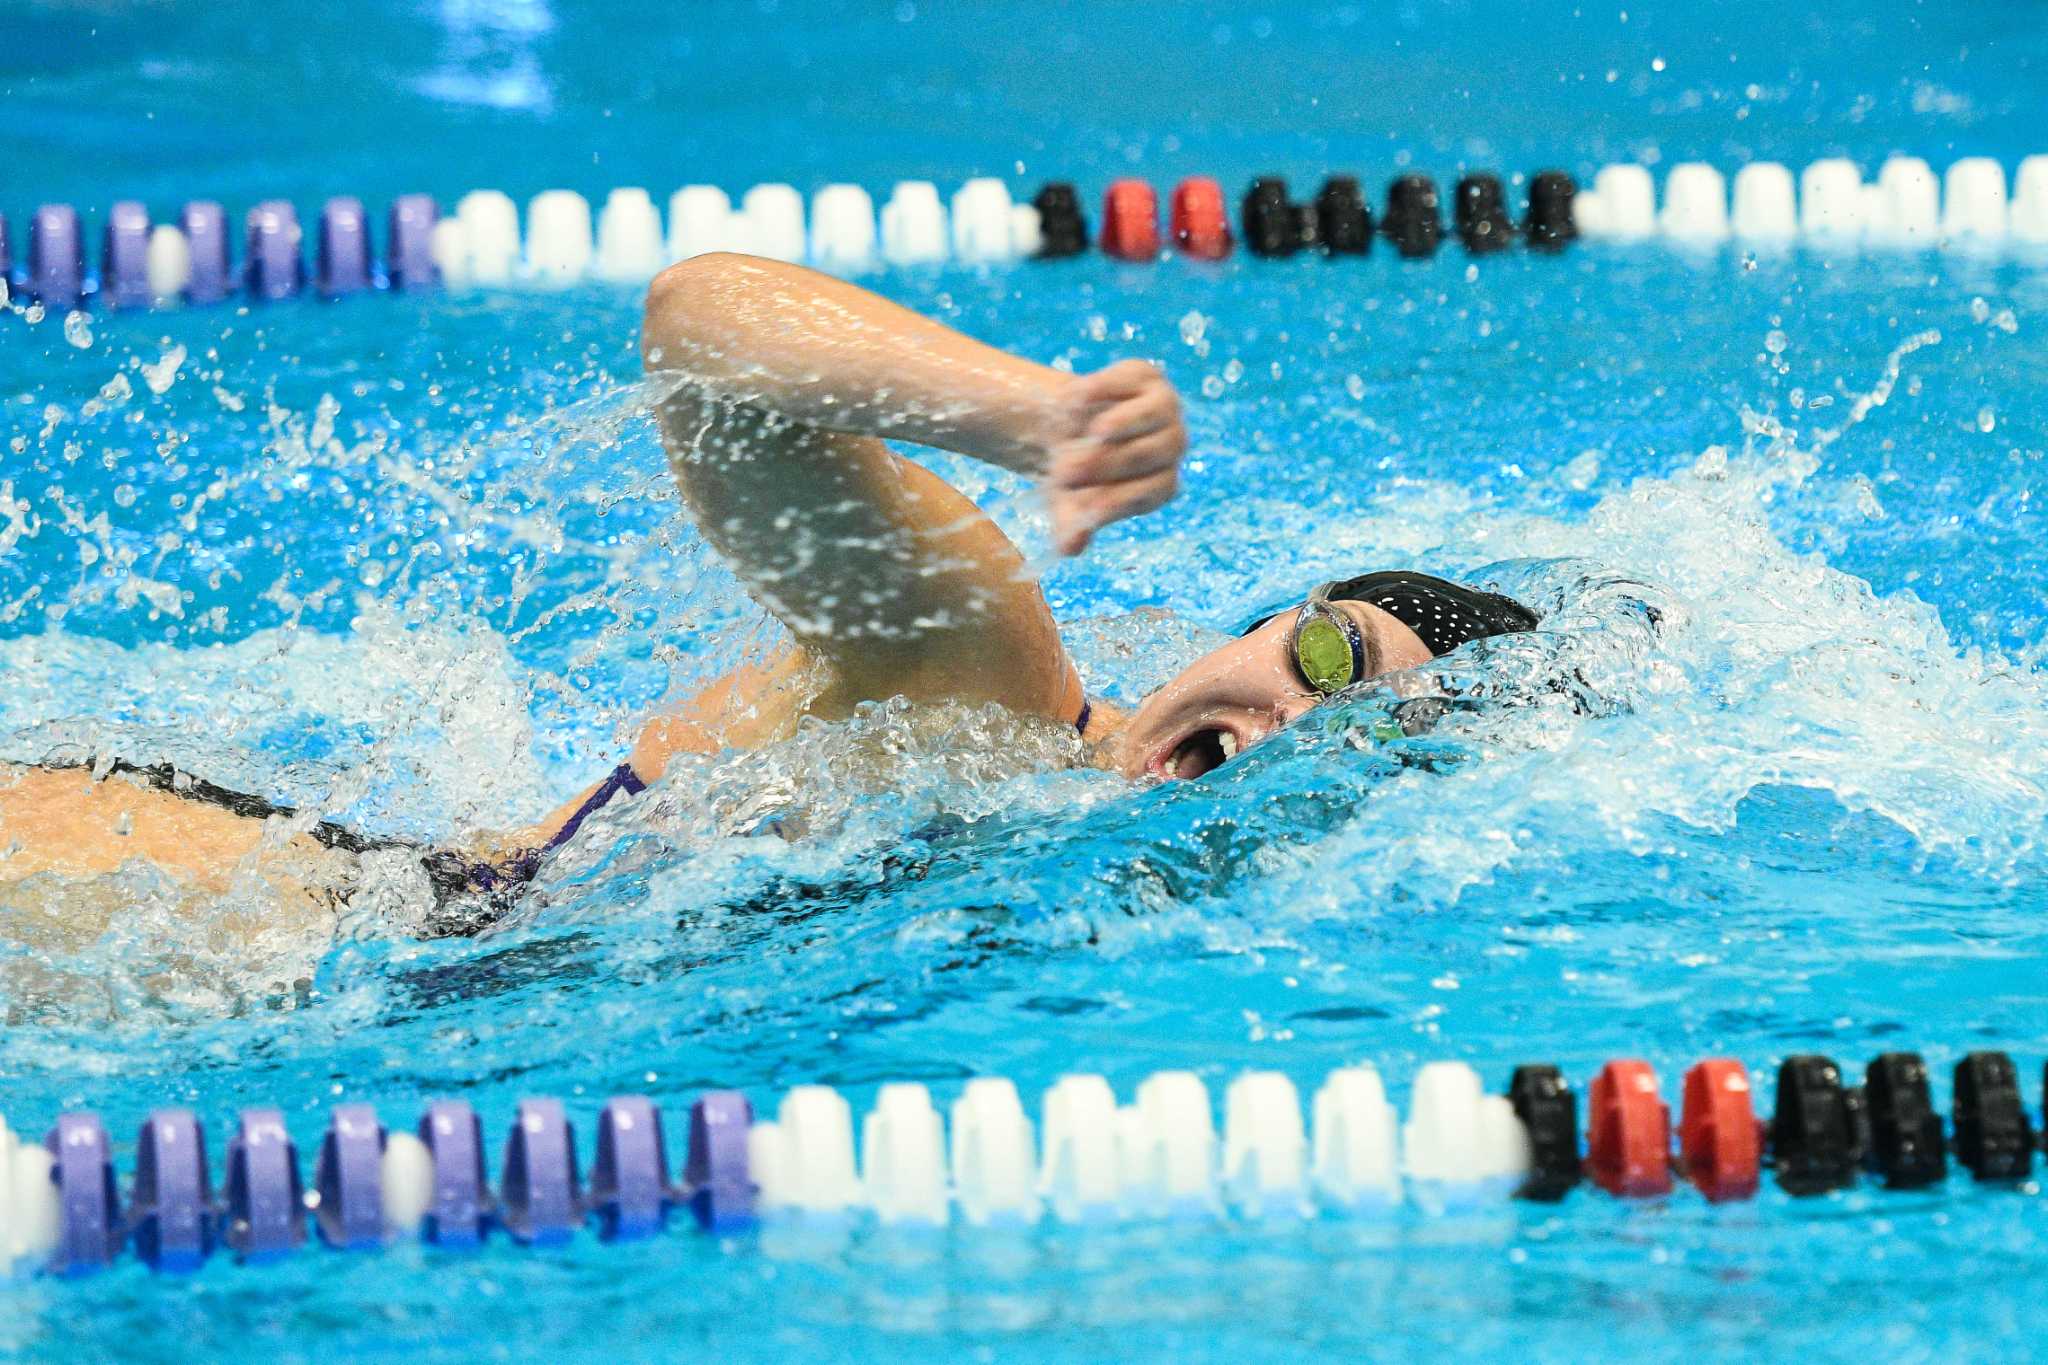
[78, 330]
[1775, 342]
[1987, 420]
[164, 372]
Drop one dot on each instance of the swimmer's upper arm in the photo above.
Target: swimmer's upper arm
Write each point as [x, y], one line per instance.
[785, 382]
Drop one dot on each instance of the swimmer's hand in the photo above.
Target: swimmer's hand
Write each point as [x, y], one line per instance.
[1114, 450]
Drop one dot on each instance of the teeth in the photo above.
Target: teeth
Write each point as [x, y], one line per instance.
[1229, 743]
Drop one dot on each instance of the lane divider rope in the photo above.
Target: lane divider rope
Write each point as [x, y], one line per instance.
[142, 264]
[1090, 1160]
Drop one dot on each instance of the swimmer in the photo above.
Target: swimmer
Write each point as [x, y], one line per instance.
[779, 388]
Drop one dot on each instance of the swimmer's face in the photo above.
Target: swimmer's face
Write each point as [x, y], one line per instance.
[1233, 697]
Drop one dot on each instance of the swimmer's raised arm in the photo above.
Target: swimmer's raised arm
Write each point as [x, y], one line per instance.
[786, 382]
[829, 354]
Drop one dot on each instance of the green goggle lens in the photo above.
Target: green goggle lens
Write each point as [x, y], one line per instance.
[1323, 653]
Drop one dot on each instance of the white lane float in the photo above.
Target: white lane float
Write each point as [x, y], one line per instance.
[1766, 207]
[1695, 204]
[629, 245]
[1356, 1162]
[914, 225]
[842, 229]
[994, 1165]
[490, 225]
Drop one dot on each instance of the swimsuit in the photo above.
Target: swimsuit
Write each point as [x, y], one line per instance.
[454, 878]
[524, 866]
[469, 893]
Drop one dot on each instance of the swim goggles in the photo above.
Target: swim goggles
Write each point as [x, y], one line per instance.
[1328, 650]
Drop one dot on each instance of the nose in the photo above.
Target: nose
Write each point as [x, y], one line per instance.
[1291, 708]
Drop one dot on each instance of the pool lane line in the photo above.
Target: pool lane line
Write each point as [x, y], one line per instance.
[984, 1164]
[142, 264]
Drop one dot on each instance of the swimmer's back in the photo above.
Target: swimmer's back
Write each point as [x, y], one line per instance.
[67, 821]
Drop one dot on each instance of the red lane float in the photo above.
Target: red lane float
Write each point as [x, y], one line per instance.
[1628, 1151]
[1200, 222]
[1720, 1138]
[1130, 221]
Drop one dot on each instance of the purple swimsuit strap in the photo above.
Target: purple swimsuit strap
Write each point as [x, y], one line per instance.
[622, 779]
[523, 866]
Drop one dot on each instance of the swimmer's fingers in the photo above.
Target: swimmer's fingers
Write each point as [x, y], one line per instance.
[1155, 409]
[1090, 463]
[1111, 385]
[1079, 513]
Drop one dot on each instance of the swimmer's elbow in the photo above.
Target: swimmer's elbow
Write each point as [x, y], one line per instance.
[689, 308]
[691, 279]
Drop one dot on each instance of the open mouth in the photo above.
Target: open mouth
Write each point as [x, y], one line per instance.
[1203, 751]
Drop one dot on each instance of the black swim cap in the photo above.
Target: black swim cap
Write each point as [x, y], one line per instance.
[1442, 614]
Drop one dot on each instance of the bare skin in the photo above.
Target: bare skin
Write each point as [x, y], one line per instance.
[782, 386]
[892, 582]
[88, 827]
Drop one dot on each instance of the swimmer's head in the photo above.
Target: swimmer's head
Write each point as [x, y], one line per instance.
[1349, 631]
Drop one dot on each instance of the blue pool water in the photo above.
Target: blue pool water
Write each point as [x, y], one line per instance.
[415, 561]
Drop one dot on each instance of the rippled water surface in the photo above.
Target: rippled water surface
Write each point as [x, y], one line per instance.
[415, 563]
